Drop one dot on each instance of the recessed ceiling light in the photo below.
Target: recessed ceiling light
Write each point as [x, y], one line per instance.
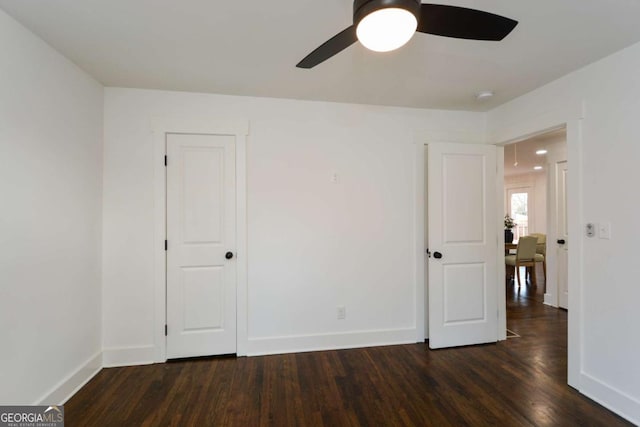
[541, 152]
[484, 95]
[538, 168]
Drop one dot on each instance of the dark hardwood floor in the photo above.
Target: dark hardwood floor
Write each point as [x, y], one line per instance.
[518, 382]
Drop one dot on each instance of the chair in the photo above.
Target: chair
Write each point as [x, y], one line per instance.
[525, 256]
[541, 252]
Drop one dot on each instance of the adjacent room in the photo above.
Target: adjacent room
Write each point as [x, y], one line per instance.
[535, 200]
[280, 213]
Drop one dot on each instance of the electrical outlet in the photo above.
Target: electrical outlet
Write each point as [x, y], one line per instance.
[342, 313]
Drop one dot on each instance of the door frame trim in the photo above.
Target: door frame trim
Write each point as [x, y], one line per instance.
[238, 128]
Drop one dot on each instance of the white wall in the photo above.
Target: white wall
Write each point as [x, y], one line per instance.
[606, 161]
[312, 245]
[540, 200]
[50, 221]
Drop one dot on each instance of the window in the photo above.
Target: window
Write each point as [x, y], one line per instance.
[518, 199]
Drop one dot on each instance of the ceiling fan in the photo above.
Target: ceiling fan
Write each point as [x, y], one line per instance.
[385, 25]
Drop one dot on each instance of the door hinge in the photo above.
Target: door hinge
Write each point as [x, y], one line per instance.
[166, 245]
[166, 330]
[165, 160]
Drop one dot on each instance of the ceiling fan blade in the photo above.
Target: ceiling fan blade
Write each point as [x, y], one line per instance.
[463, 23]
[335, 44]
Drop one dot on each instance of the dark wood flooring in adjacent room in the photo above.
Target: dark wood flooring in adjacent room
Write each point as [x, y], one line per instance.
[518, 382]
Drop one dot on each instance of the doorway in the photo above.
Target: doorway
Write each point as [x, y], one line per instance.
[569, 117]
[535, 178]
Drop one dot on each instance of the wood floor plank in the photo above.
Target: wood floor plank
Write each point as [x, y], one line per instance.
[518, 382]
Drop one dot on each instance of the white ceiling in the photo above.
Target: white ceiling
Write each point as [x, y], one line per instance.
[525, 152]
[252, 47]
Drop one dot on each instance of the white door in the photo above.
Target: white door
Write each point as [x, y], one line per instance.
[463, 241]
[562, 241]
[201, 239]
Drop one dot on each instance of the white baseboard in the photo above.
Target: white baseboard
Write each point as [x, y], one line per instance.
[611, 398]
[128, 356]
[71, 384]
[549, 299]
[320, 342]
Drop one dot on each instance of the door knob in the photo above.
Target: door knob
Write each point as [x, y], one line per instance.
[228, 255]
[437, 255]
[561, 241]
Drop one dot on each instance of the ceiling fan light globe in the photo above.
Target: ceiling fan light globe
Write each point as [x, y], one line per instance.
[386, 29]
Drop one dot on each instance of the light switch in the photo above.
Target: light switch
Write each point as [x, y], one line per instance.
[604, 230]
[591, 229]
